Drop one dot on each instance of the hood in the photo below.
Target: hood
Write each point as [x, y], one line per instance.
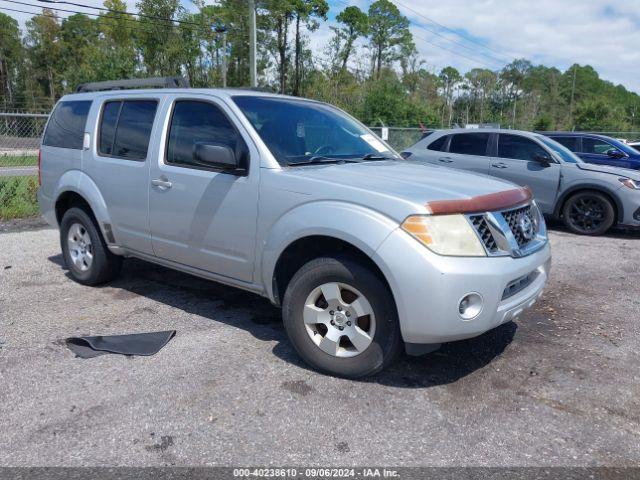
[408, 180]
[617, 171]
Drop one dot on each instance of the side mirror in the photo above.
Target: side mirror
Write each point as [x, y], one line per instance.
[215, 155]
[614, 153]
[543, 159]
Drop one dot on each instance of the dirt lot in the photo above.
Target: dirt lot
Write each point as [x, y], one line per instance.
[559, 387]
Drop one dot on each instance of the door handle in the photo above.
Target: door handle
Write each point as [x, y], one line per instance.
[160, 183]
[445, 160]
[500, 165]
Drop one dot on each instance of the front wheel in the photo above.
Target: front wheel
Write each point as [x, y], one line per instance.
[341, 318]
[588, 213]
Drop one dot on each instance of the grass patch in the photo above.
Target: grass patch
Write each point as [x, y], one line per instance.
[18, 161]
[18, 197]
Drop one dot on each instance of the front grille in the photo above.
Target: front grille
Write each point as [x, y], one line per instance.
[502, 232]
[480, 224]
[512, 217]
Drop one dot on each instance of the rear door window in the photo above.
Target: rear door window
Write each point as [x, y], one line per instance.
[66, 125]
[437, 144]
[570, 142]
[125, 128]
[469, 143]
[520, 148]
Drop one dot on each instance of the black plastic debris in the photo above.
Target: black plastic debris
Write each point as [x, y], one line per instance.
[144, 344]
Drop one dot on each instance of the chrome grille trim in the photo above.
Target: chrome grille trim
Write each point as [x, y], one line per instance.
[500, 233]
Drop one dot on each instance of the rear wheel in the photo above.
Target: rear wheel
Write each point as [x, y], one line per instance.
[341, 318]
[89, 260]
[588, 213]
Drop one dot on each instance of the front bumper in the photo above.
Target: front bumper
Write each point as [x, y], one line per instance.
[428, 288]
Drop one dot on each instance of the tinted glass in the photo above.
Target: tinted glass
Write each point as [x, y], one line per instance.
[595, 146]
[570, 142]
[438, 144]
[297, 130]
[199, 122]
[107, 130]
[469, 143]
[563, 152]
[66, 126]
[521, 148]
[134, 129]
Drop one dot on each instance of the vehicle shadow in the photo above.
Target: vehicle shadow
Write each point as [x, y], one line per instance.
[256, 315]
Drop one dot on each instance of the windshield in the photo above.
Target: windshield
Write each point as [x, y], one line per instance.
[623, 147]
[299, 131]
[563, 152]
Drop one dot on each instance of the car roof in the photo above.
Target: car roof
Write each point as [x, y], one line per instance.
[450, 131]
[218, 92]
[577, 134]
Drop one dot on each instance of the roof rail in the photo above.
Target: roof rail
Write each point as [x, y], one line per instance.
[154, 82]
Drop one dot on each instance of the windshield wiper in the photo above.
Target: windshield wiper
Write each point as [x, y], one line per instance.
[377, 156]
[321, 159]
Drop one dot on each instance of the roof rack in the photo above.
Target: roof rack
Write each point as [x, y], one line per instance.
[154, 82]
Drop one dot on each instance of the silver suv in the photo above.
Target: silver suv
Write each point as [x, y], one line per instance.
[589, 198]
[296, 201]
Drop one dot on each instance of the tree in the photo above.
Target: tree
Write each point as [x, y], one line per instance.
[280, 14]
[159, 40]
[305, 11]
[11, 55]
[355, 24]
[449, 78]
[43, 44]
[389, 34]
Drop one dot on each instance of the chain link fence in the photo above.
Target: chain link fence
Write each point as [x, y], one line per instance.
[20, 135]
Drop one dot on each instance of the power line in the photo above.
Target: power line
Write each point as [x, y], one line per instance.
[142, 25]
[447, 28]
[140, 15]
[442, 47]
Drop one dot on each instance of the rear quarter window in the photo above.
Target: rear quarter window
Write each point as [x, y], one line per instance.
[67, 124]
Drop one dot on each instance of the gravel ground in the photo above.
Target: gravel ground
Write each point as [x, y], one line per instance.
[559, 387]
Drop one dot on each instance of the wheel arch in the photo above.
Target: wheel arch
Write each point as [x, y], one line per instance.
[75, 188]
[291, 242]
[617, 204]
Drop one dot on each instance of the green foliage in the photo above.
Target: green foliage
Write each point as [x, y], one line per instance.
[389, 34]
[18, 197]
[370, 68]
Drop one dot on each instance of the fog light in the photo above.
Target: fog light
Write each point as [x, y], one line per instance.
[470, 306]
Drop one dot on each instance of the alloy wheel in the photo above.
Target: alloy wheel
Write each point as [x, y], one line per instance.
[339, 319]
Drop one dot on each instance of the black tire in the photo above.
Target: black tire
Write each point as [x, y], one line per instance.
[588, 213]
[105, 266]
[386, 341]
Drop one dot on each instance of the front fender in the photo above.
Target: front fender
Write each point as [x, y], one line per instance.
[80, 183]
[355, 224]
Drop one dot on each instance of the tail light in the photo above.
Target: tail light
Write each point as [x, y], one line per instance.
[405, 155]
[39, 167]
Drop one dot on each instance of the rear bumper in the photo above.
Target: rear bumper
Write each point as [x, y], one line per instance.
[428, 288]
[47, 209]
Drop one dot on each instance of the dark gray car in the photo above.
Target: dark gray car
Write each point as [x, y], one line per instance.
[589, 198]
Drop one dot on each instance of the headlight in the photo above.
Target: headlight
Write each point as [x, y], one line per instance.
[445, 234]
[627, 182]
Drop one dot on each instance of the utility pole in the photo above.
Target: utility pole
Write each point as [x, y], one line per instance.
[573, 91]
[252, 44]
[223, 30]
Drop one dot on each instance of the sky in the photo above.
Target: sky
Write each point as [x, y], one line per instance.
[490, 33]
